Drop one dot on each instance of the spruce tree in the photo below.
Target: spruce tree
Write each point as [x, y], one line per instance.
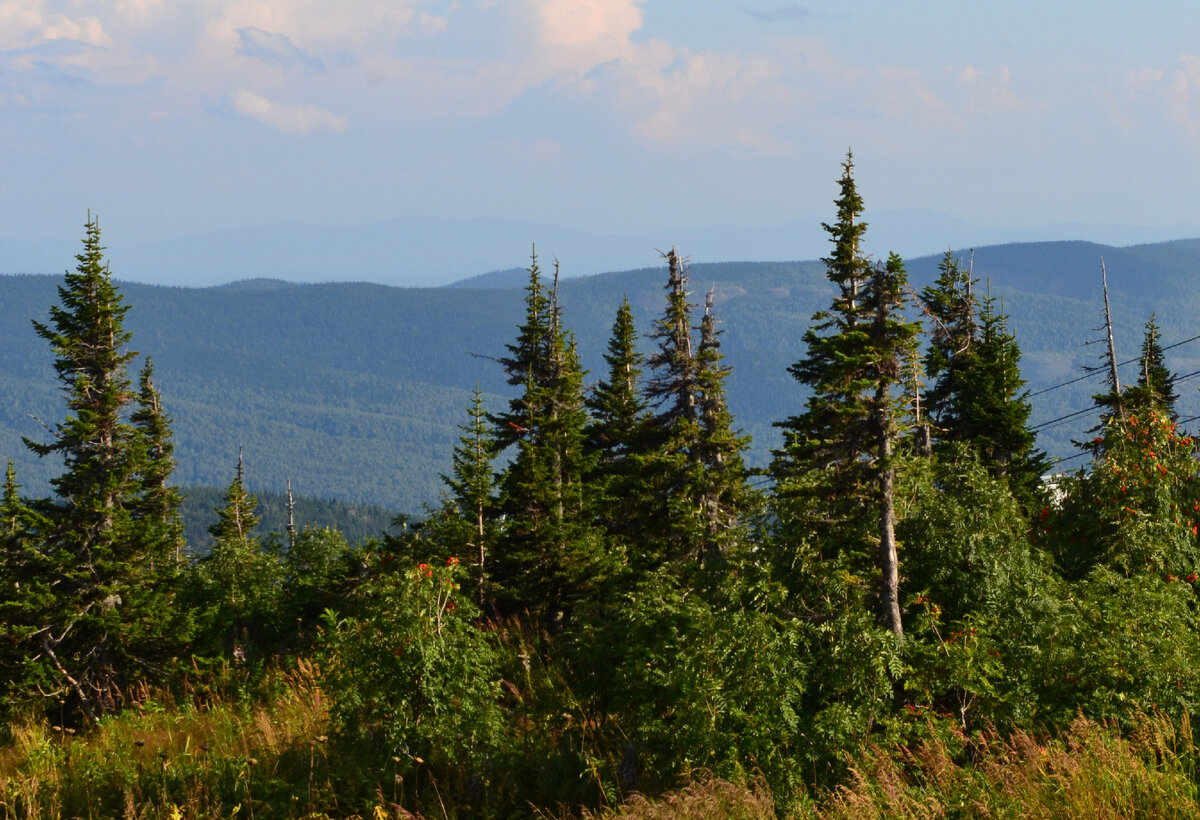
[1155, 387]
[692, 474]
[549, 557]
[951, 306]
[723, 494]
[976, 400]
[26, 594]
[617, 434]
[240, 580]
[839, 454]
[669, 467]
[526, 362]
[1110, 403]
[107, 621]
[472, 485]
[673, 388]
[156, 505]
[994, 410]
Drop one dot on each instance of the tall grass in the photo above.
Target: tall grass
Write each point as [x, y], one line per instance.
[164, 760]
[1091, 771]
[246, 758]
[708, 798]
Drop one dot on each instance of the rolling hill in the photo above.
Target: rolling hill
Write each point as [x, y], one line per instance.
[353, 391]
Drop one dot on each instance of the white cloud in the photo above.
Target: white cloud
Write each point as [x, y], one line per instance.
[289, 118]
[83, 30]
[19, 19]
[692, 98]
[26, 23]
[586, 23]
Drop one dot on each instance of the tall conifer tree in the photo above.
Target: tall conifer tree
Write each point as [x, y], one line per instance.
[723, 493]
[976, 399]
[953, 330]
[107, 618]
[156, 506]
[670, 468]
[840, 452]
[617, 434]
[693, 476]
[472, 484]
[241, 579]
[549, 556]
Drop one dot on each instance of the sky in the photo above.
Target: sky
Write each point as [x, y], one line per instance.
[179, 118]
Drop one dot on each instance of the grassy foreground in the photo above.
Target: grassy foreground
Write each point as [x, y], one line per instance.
[222, 756]
[1091, 772]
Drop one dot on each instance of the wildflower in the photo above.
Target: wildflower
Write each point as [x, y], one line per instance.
[1191, 578]
[451, 561]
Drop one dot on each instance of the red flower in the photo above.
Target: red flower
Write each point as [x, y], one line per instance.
[1191, 579]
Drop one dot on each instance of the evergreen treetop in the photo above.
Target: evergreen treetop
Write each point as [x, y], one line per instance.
[1155, 387]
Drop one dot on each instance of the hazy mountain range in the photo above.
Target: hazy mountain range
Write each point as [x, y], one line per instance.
[428, 251]
[354, 391]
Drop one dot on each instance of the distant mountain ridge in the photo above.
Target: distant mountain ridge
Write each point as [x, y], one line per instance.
[425, 251]
[353, 391]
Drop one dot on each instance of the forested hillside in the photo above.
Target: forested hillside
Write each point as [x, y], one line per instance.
[896, 616]
[353, 391]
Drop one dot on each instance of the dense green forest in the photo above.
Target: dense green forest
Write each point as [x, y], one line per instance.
[352, 391]
[612, 608]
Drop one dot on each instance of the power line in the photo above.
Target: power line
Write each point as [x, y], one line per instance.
[1044, 424]
[1098, 371]
[1071, 458]
[1068, 416]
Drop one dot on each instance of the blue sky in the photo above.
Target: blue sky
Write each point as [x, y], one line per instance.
[173, 118]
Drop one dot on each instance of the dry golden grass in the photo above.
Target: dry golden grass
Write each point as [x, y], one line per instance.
[1090, 772]
[165, 761]
[708, 798]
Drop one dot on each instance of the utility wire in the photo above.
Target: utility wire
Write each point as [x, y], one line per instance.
[1062, 418]
[1070, 458]
[1052, 422]
[1098, 371]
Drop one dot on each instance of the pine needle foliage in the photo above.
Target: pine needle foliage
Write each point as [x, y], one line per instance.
[107, 553]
